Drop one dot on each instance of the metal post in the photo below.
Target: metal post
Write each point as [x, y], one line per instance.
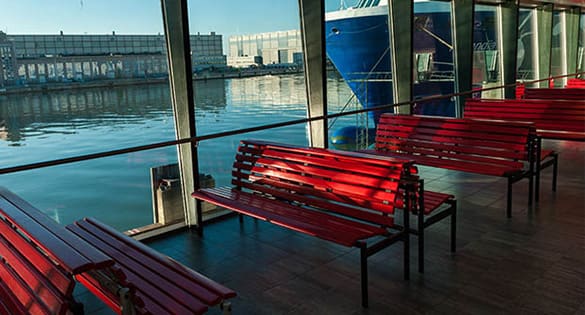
[176, 24]
[507, 27]
[542, 45]
[312, 15]
[400, 22]
[462, 30]
[569, 40]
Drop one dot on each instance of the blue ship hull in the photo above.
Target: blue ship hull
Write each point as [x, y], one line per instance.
[358, 46]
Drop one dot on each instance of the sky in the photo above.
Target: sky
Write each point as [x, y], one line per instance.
[225, 17]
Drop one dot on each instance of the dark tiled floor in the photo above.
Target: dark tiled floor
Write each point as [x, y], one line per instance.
[533, 263]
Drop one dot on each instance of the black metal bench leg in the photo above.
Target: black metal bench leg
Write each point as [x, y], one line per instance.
[364, 274]
[421, 242]
[536, 185]
[453, 226]
[406, 238]
[555, 171]
[509, 201]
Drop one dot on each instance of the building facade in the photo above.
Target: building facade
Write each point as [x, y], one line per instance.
[280, 47]
[60, 57]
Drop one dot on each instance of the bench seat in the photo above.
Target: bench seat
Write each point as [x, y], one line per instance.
[159, 285]
[293, 217]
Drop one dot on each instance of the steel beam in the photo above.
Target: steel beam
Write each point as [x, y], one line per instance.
[507, 28]
[312, 14]
[542, 45]
[400, 21]
[462, 30]
[569, 40]
[176, 25]
[581, 48]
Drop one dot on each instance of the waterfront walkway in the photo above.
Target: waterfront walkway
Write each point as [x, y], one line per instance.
[532, 263]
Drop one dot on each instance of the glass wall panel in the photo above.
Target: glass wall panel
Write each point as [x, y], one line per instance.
[433, 49]
[581, 45]
[359, 54]
[556, 49]
[526, 63]
[358, 68]
[80, 78]
[258, 79]
[116, 190]
[485, 51]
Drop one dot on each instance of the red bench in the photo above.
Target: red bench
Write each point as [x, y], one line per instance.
[481, 147]
[159, 284]
[577, 94]
[41, 261]
[554, 119]
[576, 83]
[345, 198]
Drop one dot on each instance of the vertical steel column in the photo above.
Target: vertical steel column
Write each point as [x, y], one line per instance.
[581, 49]
[542, 45]
[462, 30]
[569, 40]
[176, 24]
[507, 28]
[312, 15]
[400, 22]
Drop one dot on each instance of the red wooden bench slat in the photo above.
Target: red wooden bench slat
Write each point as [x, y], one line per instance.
[406, 144]
[456, 165]
[8, 303]
[216, 292]
[287, 170]
[160, 285]
[297, 218]
[53, 237]
[555, 93]
[434, 199]
[554, 119]
[347, 211]
[149, 294]
[331, 154]
[44, 290]
[575, 83]
[22, 293]
[42, 263]
[458, 128]
[452, 151]
[318, 158]
[485, 147]
[147, 290]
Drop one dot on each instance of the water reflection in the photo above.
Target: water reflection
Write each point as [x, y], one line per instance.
[66, 112]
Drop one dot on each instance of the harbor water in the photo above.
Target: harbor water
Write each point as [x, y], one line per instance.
[117, 190]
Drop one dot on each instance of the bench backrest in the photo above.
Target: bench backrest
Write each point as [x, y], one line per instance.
[455, 139]
[550, 115]
[324, 179]
[38, 259]
[555, 93]
[575, 83]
